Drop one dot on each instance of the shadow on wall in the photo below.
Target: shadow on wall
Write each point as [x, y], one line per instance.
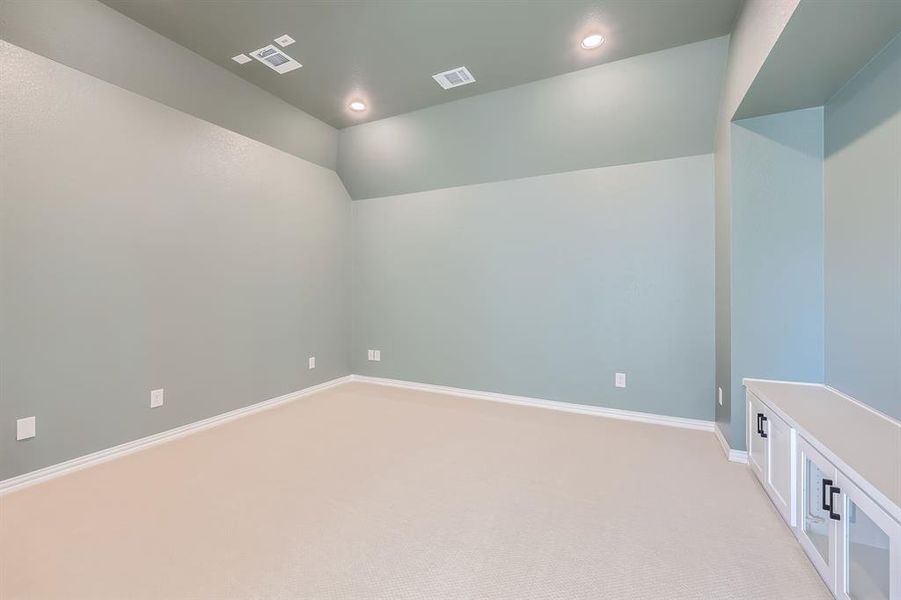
[863, 234]
[777, 251]
[778, 131]
[874, 109]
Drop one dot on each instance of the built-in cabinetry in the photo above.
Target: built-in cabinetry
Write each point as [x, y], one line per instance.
[771, 446]
[832, 467]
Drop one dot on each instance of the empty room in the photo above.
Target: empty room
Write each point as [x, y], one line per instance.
[450, 299]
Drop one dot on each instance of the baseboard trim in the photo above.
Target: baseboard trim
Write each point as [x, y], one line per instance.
[736, 456]
[582, 409]
[76, 464]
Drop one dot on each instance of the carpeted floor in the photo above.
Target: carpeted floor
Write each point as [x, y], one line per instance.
[365, 491]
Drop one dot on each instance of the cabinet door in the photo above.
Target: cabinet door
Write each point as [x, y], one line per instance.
[816, 530]
[781, 465]
[756, 438]
[869, 547]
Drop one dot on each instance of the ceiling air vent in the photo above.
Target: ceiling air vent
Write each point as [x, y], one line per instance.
[275, 59]
[454, 78]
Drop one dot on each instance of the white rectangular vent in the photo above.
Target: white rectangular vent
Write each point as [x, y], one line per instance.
[284, 40]
[275, 59]
[454, 78]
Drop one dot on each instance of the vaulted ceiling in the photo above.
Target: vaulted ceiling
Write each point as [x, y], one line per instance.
[385, 52]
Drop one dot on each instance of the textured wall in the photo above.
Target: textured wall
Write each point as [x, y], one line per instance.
[94, 38]
[777, 250]
[546, 286]
[649, 107]
[758, 27]
[140, 248]
[863, 234]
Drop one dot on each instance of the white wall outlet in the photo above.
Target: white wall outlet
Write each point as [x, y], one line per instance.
[156, 398]
[312, 362]
[375, 355]
[620, 380]
[25, 428]
[719, 395]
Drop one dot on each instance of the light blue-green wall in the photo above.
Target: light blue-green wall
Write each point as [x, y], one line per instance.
[863, 234]
[546, 286]
[523, 261]
[96, 39]
[756, 31]
[648, 107]
[230, 270]
[777, 252]
[144, 248]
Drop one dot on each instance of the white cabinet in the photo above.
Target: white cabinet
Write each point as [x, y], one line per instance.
[771, 455]
[781, 466]
[868, 540]
[756, 440]
[817, 530]
[828, 463]
[852, 542]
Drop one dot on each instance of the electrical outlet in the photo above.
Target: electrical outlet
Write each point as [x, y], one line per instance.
[719, 395]
[621, 380]
[375, 355]
[312, 362]
[25, 428]
[156, 398]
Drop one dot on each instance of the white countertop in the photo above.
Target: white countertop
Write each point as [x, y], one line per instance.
[867, 442]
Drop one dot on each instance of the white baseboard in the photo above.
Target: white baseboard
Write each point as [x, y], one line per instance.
[738, 456]
[582, 409]
[101, 456]
[28, 479]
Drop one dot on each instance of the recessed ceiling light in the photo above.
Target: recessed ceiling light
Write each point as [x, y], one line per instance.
[592, 41]
[241, 59]
[357, 106]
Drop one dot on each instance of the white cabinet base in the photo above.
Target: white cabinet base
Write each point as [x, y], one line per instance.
[849, 527]
[771, 455]
[869, 547]
[817, 531]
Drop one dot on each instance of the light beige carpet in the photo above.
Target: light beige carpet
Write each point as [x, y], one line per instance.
[365, 491]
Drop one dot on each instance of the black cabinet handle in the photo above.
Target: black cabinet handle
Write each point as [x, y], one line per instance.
[832, 514]
[759, 429]
[763, 433]
[826, 506]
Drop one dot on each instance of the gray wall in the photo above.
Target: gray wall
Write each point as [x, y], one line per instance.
[777, 251]
[863, 234]
[546, 286]
[141, 247]
[649, 107]
[96, 39]
[755, 33]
